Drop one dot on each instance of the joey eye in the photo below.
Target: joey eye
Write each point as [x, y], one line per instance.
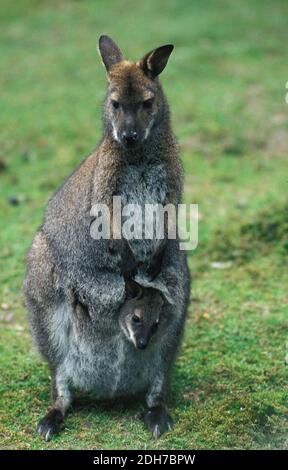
[147, 104]
[115, 104]
[136, 319]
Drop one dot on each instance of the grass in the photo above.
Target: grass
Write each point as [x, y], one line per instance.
[226, 86]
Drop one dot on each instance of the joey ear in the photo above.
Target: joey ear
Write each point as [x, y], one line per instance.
[155, 61]
[133, 289]
[109, 52]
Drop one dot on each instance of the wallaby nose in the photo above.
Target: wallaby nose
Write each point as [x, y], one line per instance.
[141, 343]
[129, 137]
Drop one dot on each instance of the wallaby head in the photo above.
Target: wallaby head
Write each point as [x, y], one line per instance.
[135, 104]
[140, 315]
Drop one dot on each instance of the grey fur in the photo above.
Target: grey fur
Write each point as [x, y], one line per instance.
[85, 347]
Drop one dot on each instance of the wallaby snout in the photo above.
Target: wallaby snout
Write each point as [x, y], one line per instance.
[129, 137]
[142, 343]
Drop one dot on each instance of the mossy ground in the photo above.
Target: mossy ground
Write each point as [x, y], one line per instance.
[226, 87]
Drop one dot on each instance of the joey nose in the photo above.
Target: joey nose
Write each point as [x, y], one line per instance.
[129, 138]
[141, 344]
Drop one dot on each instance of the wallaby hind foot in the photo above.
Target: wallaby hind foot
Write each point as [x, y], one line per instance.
[51, 424]
[53, 421]
[157, 420]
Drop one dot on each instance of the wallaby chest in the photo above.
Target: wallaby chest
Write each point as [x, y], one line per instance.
[142, 185]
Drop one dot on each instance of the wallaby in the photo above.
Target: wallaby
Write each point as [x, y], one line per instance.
[140, 314]
[74, 285]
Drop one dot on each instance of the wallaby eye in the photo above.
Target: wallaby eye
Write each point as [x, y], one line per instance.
[147, 104]
[136, 319]
[115, 104]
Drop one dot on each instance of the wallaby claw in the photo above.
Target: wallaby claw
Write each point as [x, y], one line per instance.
[157, 421]
[45, 430]
[51, 424]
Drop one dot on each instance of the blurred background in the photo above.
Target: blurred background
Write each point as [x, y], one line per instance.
[225, 83]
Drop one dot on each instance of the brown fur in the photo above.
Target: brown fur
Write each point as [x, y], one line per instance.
[74, 285]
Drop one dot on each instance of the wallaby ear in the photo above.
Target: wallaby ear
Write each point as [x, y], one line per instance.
[155, 61]
[109, 52]
[133, 289]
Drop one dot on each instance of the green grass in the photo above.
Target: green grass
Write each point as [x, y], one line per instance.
[226, 86]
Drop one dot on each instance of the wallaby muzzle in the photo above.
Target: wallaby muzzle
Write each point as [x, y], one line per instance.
[130, 138]
[130, 133]
[142, 340]
[141, 344]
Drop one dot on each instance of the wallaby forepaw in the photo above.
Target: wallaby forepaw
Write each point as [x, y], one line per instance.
[51, 424]
[157, 421]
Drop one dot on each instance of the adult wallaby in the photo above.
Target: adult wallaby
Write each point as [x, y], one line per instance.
[74, 287]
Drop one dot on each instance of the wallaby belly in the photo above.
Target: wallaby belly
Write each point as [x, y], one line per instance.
[109, 372]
